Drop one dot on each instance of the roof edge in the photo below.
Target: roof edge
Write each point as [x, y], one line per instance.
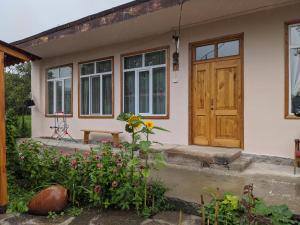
[80, 21]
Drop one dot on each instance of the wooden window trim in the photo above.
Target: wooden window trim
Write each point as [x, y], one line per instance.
[113, 89]
[287, 70]
[216, 41]
[46, 90]
[192, 47]
[167, 48]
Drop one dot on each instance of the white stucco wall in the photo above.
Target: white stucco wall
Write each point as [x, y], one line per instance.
[266, 131]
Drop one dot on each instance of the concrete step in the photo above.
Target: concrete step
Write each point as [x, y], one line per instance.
[199, 157]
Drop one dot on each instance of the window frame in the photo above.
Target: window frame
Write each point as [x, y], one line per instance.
[95, 116]
[287, 100]
[46, 89]
[147, 68]
[215, 43]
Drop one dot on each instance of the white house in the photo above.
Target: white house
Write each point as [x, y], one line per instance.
[237, 83]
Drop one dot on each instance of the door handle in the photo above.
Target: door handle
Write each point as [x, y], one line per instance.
[211, 104]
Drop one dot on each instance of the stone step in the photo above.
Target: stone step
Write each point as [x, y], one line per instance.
[199, 157]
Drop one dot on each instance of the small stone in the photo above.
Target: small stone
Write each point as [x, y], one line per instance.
[51, 199]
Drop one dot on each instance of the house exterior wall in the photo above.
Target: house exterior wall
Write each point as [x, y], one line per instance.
[266, 131]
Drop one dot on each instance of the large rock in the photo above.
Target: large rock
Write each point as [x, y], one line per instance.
[51, 199]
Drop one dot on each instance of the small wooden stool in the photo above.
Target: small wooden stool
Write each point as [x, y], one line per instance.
[297, 155]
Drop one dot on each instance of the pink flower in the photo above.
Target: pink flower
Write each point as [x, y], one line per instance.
[99, 165]
[86, 154]
[74, 163]
[97, 189]
[114, 184]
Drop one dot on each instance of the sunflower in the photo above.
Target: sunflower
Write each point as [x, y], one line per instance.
[133, 121]
[149, 124]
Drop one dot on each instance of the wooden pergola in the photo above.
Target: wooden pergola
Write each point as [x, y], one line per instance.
[9, 55]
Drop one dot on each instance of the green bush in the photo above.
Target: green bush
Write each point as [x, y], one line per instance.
[245, 210]
[98, 178]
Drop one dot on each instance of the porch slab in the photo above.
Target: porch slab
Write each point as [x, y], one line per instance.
[198, 154]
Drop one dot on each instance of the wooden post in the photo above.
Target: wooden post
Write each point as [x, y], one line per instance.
[3, 176]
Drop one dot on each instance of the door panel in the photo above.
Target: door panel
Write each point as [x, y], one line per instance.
[200, 108]
[216, 103]
[226, 98]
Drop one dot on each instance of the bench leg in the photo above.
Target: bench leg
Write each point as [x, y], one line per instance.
[86, 137]
[116, 140]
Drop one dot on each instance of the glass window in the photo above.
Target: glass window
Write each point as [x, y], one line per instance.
[129, 91]
[67, 96]
[65, 71]
[205, 52]
[133, 62]
[59, 96]
[96, 89]
[103, 66]
[96, 95]
[50, 97]
[59, 92]
[229, 48]
[53, 73]
[295, 35]
[85, 96]
[155, 58]
[294, 69]
[144, 81]
[88, 68]
[107, 95]
[144, 87]
[159, 91]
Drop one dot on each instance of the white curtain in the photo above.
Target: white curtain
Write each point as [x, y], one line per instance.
[295, 72]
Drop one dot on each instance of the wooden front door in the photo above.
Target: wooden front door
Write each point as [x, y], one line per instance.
[217, 102]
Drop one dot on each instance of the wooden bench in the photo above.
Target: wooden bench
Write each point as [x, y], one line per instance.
[115, 136]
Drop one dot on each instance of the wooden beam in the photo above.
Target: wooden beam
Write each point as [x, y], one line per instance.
[3, 176]
[14, 53]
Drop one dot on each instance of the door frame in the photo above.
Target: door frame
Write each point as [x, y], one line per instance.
[192, 46]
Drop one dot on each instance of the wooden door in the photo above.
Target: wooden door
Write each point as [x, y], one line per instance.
[201, 98]
[216, 103]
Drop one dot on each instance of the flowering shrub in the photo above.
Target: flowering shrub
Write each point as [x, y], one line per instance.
[104, 178]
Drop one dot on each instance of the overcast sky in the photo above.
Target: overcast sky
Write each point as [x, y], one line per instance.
[23, 18]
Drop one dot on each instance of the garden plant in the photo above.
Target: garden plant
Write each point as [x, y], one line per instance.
[104, 177]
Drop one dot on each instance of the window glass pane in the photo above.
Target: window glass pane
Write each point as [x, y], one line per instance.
[85, 96]
[295, 35]
[294, 79]
[159, 90]
[103, 66]
[88, 68]
[59, 93]
[155, 58]
[205, 52]
[144, 92]
[133, 61]
[53, 73]
[96, 95]
[107, 95]
[129, 92]
[229, 48]
[65, 72]
[67, 96]
[50, 97]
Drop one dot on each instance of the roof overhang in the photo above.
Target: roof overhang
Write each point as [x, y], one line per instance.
[14, 55]
[136, 20]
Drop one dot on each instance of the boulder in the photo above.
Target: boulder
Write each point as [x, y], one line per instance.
[51, 199]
